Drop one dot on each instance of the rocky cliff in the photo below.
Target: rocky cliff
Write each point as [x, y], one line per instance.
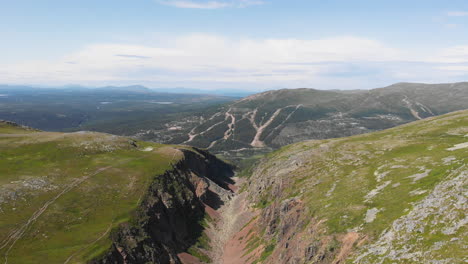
[168, 219]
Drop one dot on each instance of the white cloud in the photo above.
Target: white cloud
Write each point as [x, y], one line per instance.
[455, 54]
[210, 4]
[211, 61]
[461, 69]
[457, 13]
[196, 5]
[451, 26]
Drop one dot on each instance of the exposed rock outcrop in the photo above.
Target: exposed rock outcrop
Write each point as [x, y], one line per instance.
[168, 220]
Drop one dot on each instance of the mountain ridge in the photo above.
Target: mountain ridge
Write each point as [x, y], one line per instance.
[271, 119]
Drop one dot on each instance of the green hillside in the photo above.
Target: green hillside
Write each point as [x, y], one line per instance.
[395, 196]
[61, 195]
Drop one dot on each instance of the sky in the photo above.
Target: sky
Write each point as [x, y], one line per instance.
[251, 45]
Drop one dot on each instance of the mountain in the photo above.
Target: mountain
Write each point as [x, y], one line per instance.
[88, 197]
[234, 129]
[220, 92]
[269, 120]
[132, 88]
[394, 196]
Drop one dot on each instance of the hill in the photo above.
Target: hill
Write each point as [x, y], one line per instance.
[272, 119]
[87, 197]
[394, 196]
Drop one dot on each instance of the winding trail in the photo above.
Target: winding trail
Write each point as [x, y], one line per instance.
[227, 134]
[89, 245]
[18, 233]
[192, 135]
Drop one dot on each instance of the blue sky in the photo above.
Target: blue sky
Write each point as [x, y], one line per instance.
[233, 44]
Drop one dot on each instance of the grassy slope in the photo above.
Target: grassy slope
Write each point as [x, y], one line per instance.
[98, 179]
[336, 178]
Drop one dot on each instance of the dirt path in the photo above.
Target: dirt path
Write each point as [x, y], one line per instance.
[89, 245]
[192, 133]
[18, 233]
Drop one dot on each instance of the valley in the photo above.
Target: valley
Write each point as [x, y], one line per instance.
[394, 192]
[395, 196]
[234, 132]
[358, 199]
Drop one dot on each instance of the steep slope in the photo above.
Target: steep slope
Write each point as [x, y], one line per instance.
[272, 119]
[90, 197]
[394, 196]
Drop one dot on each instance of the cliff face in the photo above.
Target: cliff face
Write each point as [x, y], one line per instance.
[168, 222]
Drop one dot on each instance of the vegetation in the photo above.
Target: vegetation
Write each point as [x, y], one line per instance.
[294, 115]
[201, 246]
[366, 183]
[62, 194]
[116, 110]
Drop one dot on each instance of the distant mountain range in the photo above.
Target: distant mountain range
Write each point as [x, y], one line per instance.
[135, 88]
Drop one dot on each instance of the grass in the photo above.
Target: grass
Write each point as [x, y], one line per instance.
[37, 167]
[336, 176]
[198, 249]
[203, 242]
[267, 251]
